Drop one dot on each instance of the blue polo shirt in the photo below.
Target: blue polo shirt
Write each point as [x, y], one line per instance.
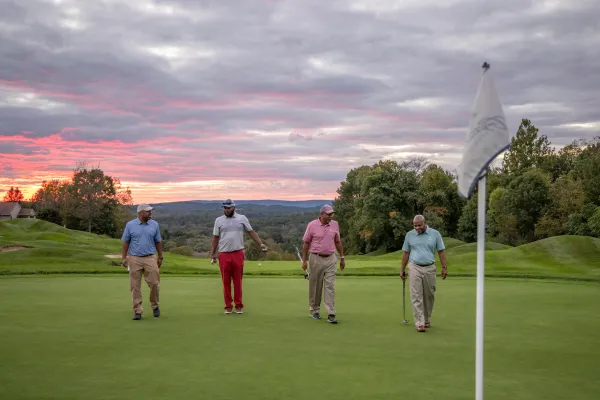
[422, 247]
[142, 237]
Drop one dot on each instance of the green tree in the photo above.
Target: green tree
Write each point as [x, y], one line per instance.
[587, 168]
[526, 198]
[374, 204]
[467, 224]
[52, 202]
[594, 223]
[501, 223]
[347, 208]
[98, 200]
[438, 195]
[527, 150]
[566, 196]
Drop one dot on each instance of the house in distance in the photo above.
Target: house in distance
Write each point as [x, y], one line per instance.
[12, 210]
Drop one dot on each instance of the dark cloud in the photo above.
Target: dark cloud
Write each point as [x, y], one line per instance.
[270, 82]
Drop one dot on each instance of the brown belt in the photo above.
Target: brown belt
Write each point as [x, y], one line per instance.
[322, 255]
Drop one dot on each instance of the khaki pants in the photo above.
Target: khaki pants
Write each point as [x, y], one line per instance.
[322, 276]
[149, 267]
[422, 291]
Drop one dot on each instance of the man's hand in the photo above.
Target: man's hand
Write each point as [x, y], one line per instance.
[263, 247]
[213, 260]
[444, 272]
[403, 275]
[159, 261]
[342, 264]
[124, 262]
[304, 265]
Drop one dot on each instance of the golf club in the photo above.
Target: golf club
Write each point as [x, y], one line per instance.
[405, 321]
[306, 274]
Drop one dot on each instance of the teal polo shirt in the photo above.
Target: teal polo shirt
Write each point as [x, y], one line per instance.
[422, 247]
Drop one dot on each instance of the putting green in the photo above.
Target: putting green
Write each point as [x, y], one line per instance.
[73, 338]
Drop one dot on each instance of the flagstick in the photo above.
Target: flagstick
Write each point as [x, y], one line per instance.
[480, 278]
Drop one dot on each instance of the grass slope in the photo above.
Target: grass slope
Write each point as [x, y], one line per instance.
[73, 338]
[53, 249]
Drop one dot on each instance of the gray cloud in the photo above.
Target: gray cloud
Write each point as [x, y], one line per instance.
[269, 82]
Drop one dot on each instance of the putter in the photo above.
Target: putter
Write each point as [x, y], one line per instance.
[306, 274]
[404, 301]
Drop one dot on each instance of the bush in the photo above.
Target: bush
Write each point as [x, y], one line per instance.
[183, 250]
[273, 256]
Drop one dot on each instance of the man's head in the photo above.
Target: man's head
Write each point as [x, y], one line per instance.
[144, 212]
[228, 208]
[419, 224]
[326, 213]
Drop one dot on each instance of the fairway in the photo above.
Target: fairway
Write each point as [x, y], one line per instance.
[73, 338]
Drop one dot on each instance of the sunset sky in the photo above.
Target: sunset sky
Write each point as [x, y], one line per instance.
[256, 99]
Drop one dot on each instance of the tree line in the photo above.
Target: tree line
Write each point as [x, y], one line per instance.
[536, 192]
[187, 229]
[90, 201]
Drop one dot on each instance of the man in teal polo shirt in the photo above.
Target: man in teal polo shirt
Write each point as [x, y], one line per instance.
[419, 249]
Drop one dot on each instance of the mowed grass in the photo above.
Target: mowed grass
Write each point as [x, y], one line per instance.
[73, 338]
[52, 249]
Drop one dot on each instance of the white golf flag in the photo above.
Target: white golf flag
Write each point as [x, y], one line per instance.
[487, 137]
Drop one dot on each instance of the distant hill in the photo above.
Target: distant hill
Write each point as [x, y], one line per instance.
[216, 204]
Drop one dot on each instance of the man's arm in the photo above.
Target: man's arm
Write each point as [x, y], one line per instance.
[442, 254]
[340, 250]
[159, 250]
[305, 247]
[405, 256]
[213, 247]
[125, 238]
[124, 250]
[306, 239]
[158, 244]
[257, 240]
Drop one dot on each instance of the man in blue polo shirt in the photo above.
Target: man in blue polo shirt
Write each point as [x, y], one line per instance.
[419, 249]
[142, 253]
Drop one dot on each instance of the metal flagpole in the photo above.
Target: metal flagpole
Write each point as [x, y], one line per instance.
[487, 138]
[480, 293]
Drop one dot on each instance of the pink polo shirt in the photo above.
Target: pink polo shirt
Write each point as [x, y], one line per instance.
[322, 237]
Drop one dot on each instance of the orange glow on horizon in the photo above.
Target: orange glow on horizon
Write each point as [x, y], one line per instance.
[145, 192]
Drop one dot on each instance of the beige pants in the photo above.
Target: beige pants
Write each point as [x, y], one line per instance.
[322, 276]
[422, 291]
[149, 267]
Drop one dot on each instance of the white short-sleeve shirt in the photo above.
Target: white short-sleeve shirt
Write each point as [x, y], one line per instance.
[231, 232]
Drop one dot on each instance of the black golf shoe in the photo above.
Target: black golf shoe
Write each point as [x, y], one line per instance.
[156, 312]
[331, 319]
[137, 317]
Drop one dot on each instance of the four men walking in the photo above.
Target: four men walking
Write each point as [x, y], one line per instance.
[142, 254]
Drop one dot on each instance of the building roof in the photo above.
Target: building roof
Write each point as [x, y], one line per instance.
[27, 211]
[7, 207]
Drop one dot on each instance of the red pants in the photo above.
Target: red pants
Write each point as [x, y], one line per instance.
[232, 267]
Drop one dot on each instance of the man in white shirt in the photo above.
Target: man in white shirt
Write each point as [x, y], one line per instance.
[228, 236]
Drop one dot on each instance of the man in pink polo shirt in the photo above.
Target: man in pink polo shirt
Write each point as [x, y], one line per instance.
[322, 239]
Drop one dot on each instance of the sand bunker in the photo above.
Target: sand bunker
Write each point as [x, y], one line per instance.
[112, 256]
[12, 248]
